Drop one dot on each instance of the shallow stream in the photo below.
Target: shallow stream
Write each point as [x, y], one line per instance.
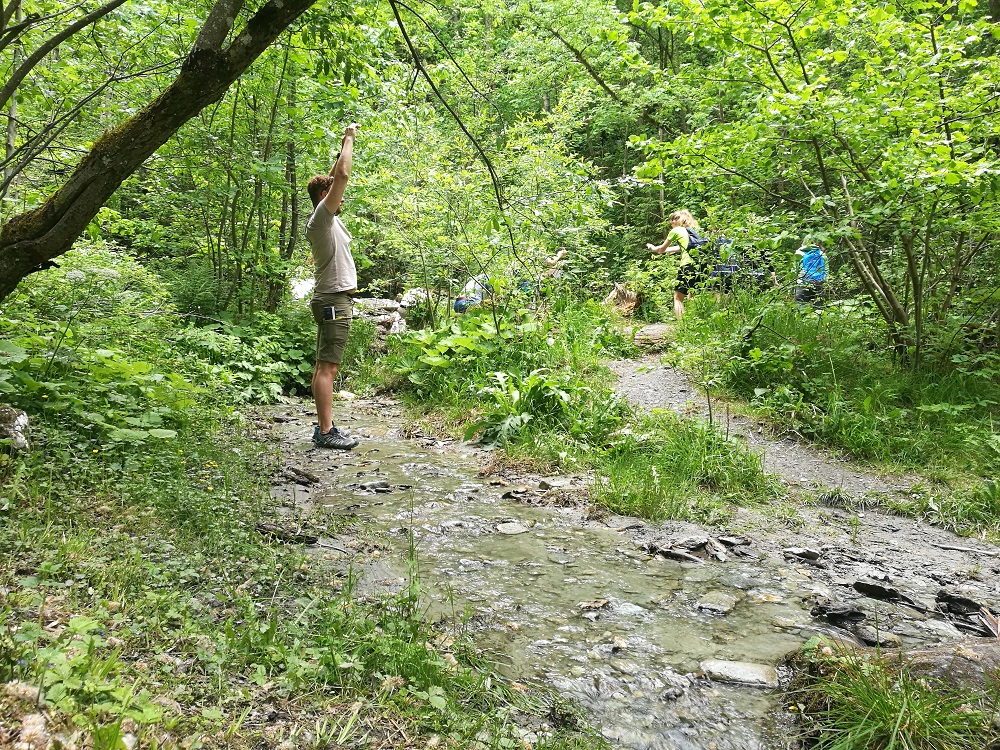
[561, 599]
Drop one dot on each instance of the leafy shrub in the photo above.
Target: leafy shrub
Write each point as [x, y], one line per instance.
[462, 355]
[96, 351]
[264, 357]
[518, 407]
[83, 346]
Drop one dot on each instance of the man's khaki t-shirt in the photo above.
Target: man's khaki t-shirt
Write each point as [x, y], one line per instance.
[330, 241]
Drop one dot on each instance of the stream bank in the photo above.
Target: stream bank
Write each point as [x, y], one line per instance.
[625, 617]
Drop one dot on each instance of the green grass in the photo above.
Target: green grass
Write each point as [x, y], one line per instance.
[671, 467]
[867, 701]
[831, 378]
[538, 391]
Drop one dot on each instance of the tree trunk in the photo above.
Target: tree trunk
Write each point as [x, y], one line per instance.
[30, 241]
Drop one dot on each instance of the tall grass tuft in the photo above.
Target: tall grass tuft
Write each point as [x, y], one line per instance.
[865, 701]
[669, 467]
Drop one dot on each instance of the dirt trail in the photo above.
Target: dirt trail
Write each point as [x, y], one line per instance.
[649, 384]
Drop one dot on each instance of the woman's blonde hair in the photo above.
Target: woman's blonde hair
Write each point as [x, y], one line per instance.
[684, 218]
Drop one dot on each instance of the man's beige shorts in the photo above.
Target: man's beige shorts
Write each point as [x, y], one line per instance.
[331, 336]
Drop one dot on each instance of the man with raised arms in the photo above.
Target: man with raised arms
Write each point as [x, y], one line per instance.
[336, 282]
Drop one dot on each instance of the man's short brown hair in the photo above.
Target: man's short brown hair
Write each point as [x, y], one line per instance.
[317, 186]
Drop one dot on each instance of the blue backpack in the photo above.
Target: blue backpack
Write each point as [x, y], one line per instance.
[813, 264]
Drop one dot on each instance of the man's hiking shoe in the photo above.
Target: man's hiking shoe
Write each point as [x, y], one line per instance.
[333, 439]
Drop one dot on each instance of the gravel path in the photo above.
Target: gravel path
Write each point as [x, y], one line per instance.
[651, 385]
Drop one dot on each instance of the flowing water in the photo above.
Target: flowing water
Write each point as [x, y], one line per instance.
[560, 599]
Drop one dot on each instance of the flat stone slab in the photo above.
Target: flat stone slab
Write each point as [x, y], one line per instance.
[653, 334]
[717, 602]
[511, 528]
[741, 672]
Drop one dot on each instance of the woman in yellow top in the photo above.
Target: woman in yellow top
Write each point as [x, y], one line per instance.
[678, 241]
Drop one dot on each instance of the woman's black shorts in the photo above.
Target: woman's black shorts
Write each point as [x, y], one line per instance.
[688, 277]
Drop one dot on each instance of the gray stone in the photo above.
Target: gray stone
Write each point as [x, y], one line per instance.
[690, 542]
[378, 484]
[511, 528]
[802, 553]
[653, 335]
[717, 602]
[741, 672]
[872, 637]
[972, 663]
[14, 427]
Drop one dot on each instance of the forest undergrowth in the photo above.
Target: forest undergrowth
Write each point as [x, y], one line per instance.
[139, 600]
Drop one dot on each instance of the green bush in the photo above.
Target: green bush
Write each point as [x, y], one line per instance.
[829, 375]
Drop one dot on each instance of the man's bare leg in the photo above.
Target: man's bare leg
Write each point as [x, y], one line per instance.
[322, 389]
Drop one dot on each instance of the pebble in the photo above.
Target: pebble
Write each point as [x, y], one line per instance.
[784, 622]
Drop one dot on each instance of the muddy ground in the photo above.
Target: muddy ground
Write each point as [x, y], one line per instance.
[646, 625]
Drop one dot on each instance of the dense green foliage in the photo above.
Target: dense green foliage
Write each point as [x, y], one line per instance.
[492, 137]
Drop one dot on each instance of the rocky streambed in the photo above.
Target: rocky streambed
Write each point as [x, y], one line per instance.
[669, 635]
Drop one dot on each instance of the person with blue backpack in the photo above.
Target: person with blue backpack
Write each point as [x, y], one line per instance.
[683, 238]
[812, 274]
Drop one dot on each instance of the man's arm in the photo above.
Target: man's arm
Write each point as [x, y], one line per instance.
[341, 171]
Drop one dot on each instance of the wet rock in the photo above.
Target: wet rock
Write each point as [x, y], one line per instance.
[512, 527]
[516, 493]
[595, 604]
[972, 663]
[878, 591]
[14, 427]
[957, 602]
[838, 612]
[802, 554]
[375, 485]
[734, 541]
[741, 672]
[666, 548]
[676, 685]
[692, 543]
[717, 602]
[881, 638]
[300, 476]
[716, 550]
[941, 629]
[785, 623]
